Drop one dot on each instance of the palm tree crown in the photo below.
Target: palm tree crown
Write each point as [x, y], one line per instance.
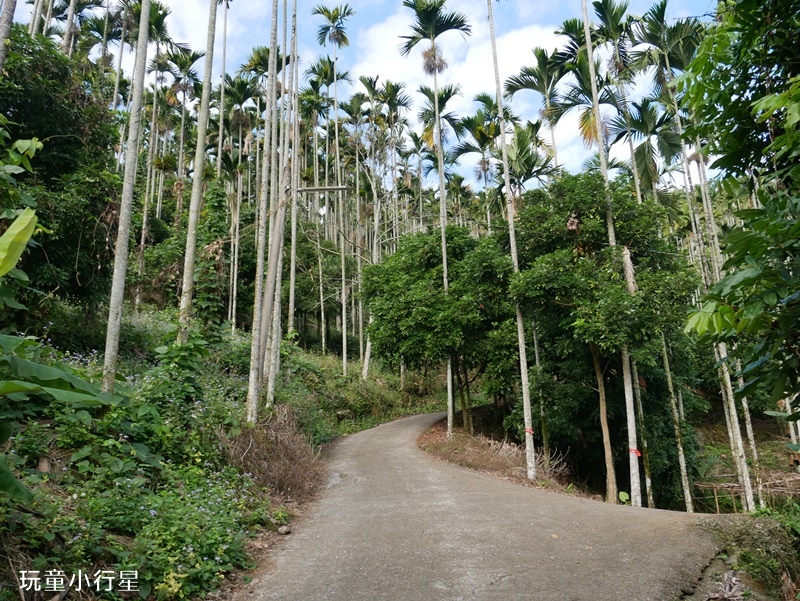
[333, 31]
[430, 23]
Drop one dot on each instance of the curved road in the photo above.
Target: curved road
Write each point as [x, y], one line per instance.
[396, 524]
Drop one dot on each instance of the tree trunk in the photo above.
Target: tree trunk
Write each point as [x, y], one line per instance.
[376, 257]
[274, 360]
[235, 268]
[271, 285]
[187, 290]
[627, 117]
[295, 174]
[48, 18]
[147, 188]
[530, 453]
[69, 28]
[637, 393]
[126, 207]
[6, 19]
[542, 413]
[611, 478]
[751, 439]
[255, 381]
[275, 195]
[221, 133]
[676, 424]
[633, 450]
[35, 16]
[636, 498]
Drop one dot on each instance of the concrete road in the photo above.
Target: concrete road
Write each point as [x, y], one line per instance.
[395, 524]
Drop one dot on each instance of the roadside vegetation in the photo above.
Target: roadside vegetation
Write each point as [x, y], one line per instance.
[205, 279]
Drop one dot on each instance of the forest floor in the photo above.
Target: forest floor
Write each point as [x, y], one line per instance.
[395, 524]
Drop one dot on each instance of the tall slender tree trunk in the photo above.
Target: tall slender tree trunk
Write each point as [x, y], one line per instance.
[235, 268]
[255, 378]
[35, 18]
[104, 46]
[633, 454]
[443, 229]
[48, 18]
[147, 188]
[274, 173]
[611, 478]
[751, 439]
[286, 131]
[530, 454]
[126, 208]
[637, 393]
[676, 424]
[187, 289]
[340, 209]
[627, 116]
[6, 19]
[295, 172]
[275, 335]
[221, 133]
[69, 28]
[376, 257]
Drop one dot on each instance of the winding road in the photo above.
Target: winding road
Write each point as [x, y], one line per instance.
[398, 525]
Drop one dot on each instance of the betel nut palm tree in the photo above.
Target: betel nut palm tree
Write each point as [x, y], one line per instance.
[333, 31]
[430, 21]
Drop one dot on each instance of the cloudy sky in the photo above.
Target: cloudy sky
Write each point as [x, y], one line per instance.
[374, 40]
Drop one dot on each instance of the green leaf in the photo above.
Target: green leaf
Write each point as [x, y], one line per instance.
[116, 465]
[9, 344]
[30, 370]
[741, 277]
[15, 238]
[771, 299]
[84, 452]
[77, 400]
[10, 485]
[5, 431]
[778, 389]
[776, 414]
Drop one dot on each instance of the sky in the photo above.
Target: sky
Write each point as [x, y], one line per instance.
[375, 31]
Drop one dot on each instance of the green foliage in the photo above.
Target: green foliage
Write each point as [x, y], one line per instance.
[141, 484]
[744, 74]
[80, 210]
[328, 405]
[573, 274]
[765, 546]
[190, 530]
[743, 87]
[413, 317]
[760, 296]
[46, 97]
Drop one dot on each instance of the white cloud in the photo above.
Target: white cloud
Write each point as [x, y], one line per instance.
[469, 62]
[375, 39]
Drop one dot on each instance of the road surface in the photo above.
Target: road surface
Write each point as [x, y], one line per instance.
[396, 524]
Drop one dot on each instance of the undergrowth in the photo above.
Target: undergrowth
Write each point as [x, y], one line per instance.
[168, 480]
[766, 546]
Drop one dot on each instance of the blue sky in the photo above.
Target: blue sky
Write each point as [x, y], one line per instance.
[374, 40]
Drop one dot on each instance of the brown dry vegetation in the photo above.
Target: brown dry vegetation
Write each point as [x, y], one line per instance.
[500, 459]
[278, 455]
